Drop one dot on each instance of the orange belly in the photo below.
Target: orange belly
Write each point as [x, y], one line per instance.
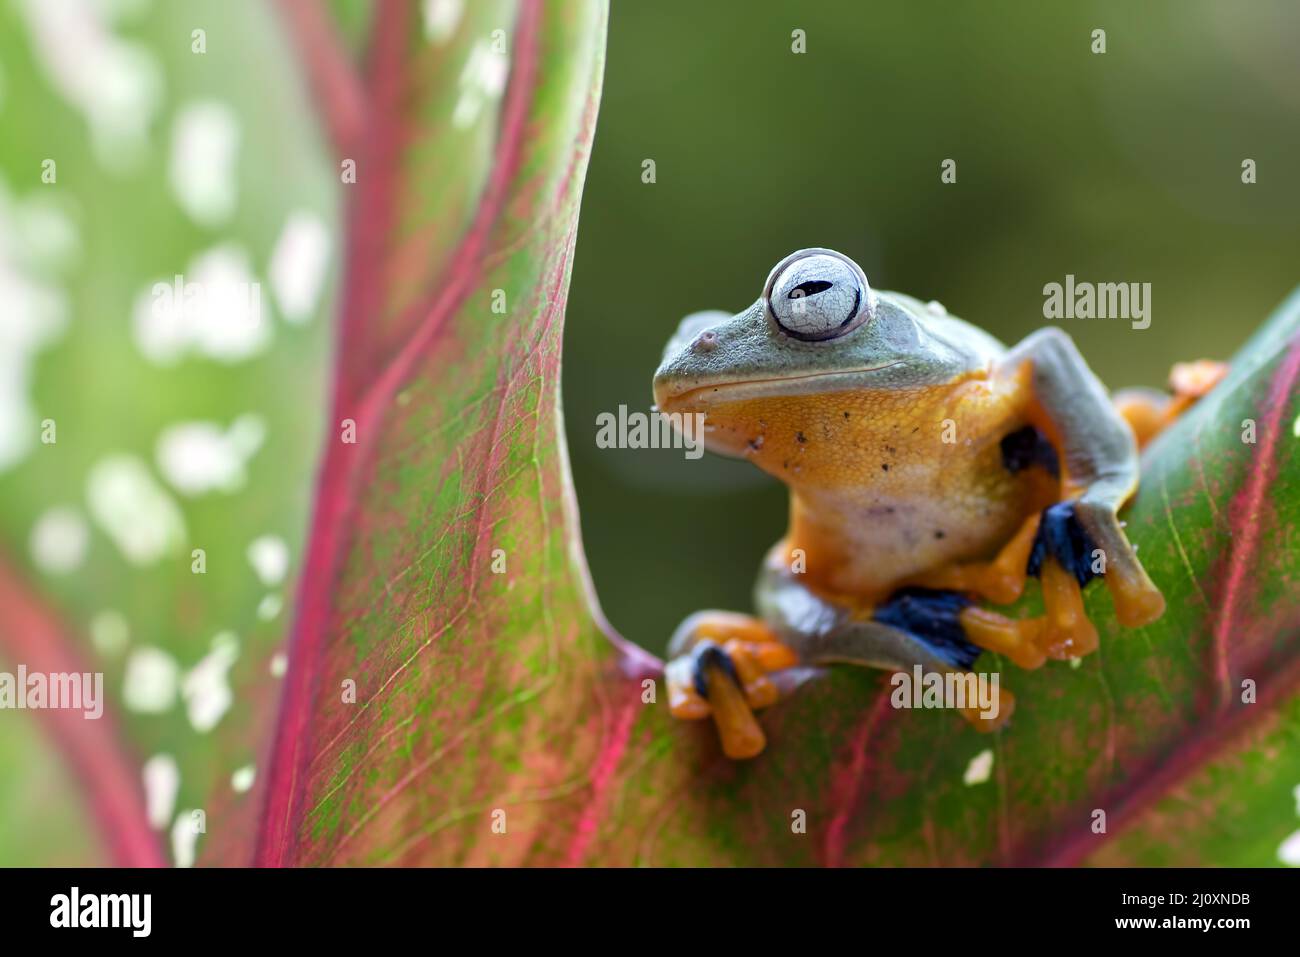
[866, 543]
[888, 484]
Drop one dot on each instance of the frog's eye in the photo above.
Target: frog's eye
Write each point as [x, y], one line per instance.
[818, 294]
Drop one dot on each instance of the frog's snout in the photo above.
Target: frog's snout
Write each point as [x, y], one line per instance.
[692, 351]
[691, 364]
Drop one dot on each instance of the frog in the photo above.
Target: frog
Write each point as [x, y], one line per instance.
[932, 470]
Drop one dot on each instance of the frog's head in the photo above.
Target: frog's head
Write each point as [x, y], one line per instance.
[817, 329]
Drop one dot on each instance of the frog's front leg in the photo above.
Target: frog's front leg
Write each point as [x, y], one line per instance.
[1099, 464]
[718, 666]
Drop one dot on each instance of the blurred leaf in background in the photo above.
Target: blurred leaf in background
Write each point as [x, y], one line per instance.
[155, 461]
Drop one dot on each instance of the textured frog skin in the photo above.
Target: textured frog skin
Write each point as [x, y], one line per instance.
[930, 470]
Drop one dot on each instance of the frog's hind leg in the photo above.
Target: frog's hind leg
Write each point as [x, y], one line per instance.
[1053, 547]
[1017, 639]
[913, 627]
[1065, 558]
[1149, 411]
[1145, 410]
[718, 666]
[1061, 555]
[954, 630]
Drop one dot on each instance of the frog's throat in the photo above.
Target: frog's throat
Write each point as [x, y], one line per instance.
[727, 392]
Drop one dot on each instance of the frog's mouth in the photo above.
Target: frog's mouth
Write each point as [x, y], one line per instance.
[700, 397]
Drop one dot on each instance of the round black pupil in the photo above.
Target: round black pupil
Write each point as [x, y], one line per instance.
[809, 288]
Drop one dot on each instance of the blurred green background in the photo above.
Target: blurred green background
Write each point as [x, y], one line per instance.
[1122, 166]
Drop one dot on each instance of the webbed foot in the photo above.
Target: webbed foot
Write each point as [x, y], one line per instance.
[1064, 558]
[1149, 412]
[949, 631]
[718, 667]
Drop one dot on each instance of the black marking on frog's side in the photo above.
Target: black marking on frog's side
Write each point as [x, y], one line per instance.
[1062, 536]
[933, 617]
[704, 655]
[1026, 448]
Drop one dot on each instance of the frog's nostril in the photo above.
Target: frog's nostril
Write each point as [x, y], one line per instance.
[705, 342]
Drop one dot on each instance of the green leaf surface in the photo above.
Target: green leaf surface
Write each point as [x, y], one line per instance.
[451, 378]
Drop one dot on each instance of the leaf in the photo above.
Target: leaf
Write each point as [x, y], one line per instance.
[497, 722]
[454, 409]
[94, 241]
[497, 718]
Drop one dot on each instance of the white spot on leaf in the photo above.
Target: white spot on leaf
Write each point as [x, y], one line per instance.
[59, 540]
[298, 265]
[214, 308]
[1288, 851]
[134, 510]
[979, 769]
[269, 606]
[279, 664]
[205, 151]
[482, 79]
[33, 312]
[149, 686]
[116, 84]
[184, 839]
[206, 687]
[199, 457]
[162, 781]
[243, 779]
[269, 556]
[48, 236]
[441, 17]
